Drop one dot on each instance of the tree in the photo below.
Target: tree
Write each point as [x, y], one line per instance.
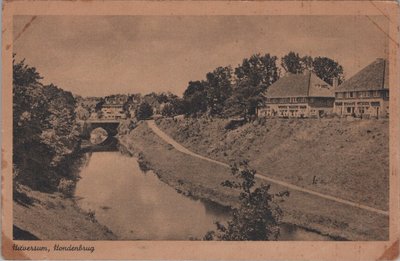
[291, 62]
[82, 113]
[127, 105]
[245, 100]
[307, 63]
[30, 112]
[258, 70]
[173, 107]
[258, 216]
[44, 129]
[144, 111]
[324, 67]
[254, 76]
[195, 98]
[328, 69]
[219, 88]
[100, 104]
[23, 74]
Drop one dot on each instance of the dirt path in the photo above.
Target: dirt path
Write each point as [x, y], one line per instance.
[182, 149]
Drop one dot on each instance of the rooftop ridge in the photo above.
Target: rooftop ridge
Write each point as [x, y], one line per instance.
[371, 77]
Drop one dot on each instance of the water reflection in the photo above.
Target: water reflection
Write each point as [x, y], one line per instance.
[135, 205]
[138, 206]
[108, 144]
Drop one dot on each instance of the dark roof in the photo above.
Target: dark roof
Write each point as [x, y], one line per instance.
[373, 77]
[300, 85]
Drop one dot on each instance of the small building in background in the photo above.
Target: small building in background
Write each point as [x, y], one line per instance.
[298, 96]
[366, 94]
[113, 112]
[112, 109]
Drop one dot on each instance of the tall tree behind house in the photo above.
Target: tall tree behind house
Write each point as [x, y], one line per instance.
[253, 77]
[325, 68]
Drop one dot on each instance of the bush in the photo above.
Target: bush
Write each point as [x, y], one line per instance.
[66, 187]
[258, 217]
[144, 111]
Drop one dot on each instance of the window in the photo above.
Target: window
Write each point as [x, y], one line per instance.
[339, 95]
[376, 94]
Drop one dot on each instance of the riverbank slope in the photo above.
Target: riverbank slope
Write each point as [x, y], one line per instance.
[349, 159]
[46, 216]
[202, 179]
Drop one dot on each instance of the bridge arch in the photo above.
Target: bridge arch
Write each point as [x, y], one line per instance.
[111, 127]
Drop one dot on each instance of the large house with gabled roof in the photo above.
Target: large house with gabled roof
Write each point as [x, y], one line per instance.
[298, 96]
[366, 94]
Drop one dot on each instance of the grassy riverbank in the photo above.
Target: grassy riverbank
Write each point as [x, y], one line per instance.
[202, 179]
[186, 174]
[349, 159]
[48, 216]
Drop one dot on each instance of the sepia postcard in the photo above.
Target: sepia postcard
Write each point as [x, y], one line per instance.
[200, 130]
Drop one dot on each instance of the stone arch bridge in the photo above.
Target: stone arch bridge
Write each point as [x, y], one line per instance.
[111, 126]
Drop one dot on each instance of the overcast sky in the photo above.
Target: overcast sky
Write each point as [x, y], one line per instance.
[101, 55]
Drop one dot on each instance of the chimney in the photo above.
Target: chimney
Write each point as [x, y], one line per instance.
[335, 82]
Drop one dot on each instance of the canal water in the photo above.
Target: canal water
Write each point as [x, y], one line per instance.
[138, 206]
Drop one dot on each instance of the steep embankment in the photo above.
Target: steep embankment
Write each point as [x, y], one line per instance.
[346, 159]
[186, 174]
[202, 178]
[52, 217]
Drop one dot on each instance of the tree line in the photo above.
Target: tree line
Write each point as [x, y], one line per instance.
[45, 133]
[231, 92]
[227, 91]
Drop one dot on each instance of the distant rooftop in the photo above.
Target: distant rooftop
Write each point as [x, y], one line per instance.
[374, 76]
[300, 85]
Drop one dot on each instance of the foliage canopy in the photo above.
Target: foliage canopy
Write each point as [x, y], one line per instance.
[258, 217]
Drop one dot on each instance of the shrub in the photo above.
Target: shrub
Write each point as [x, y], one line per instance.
[258, 216]
[144, 111]
[66, 187]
